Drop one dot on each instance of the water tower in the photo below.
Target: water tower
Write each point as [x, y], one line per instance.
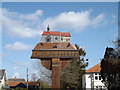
[55, 52]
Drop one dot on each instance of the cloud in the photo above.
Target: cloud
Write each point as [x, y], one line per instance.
[98, 20]
[21, 25]
[31, 25]
[18, 46]
[15, 68]
[74, 20]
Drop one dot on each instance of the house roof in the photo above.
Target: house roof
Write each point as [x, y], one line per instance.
[16, 79]
[2, 71]
[95, 68]
[56, 33]
[30, 83]
[60, 46]
[12, 83]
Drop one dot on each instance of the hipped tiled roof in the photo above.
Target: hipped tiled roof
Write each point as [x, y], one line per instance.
[30, 83]
[95, 68]
[56, 33]
[61, 46]
[12, 83]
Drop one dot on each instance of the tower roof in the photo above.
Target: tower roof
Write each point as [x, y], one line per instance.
[56, 33]
[60, 46]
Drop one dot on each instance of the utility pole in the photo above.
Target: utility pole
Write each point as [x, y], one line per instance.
[27, 78]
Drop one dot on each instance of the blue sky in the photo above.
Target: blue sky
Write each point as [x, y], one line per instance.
[93, 26]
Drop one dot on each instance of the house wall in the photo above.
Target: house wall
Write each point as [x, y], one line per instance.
[3, 82]
[91, 80]
[98, 81]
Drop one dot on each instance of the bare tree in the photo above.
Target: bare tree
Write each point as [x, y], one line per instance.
[43, 73]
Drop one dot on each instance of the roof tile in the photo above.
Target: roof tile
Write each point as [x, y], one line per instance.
[61, 46]
[56, 33]
[95, 68]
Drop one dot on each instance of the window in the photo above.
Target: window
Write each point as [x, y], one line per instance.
[96, 77]
[99, 77]
[96, 88]
[62, 39]
[56, 38]
[95, 73]
[48, 39]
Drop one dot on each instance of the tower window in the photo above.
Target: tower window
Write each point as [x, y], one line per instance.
[48, 39]
[56, 38]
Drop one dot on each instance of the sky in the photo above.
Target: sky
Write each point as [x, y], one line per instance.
[93, 26]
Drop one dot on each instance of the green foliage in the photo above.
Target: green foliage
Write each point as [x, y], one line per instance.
[80, 50]
[20, 89]
[110, 72]
[110, 67]
[71, 77]
[44, 85]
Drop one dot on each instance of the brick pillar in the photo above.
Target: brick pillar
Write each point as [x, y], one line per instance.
[56, 73]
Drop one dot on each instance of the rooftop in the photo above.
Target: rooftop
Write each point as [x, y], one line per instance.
[95, 68]
[53, 46]
[15, 83]
[67, 34]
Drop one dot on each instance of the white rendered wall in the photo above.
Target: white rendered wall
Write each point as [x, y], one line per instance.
[89, 81]
[86, 81]
[65, 39]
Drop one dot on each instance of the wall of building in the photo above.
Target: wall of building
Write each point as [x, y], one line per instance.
[56, 38]
[3, 82]
[65, 39]
[92, 80]
[86, 81]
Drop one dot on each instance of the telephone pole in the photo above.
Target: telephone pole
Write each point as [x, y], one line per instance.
[27, 78]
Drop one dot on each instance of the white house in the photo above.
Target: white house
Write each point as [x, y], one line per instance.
[3, 79]
[92, 80]
[55, 36]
